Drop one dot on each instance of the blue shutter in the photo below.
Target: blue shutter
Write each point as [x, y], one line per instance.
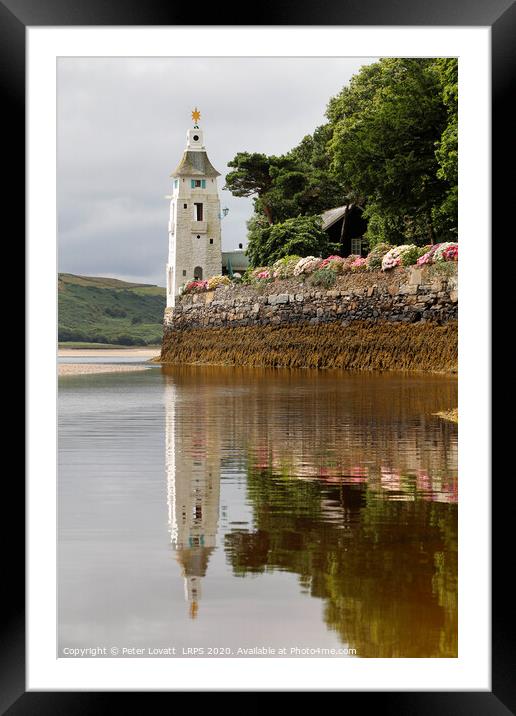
[192, 183]
[203, 183]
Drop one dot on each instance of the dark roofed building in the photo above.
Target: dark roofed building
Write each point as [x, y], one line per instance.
[346, 226]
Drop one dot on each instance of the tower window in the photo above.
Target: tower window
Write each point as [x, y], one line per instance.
[197, 212]
[184, 272]
[198, 236]
[185, 206]
[198, 273]
[196, 183]
[211, 241]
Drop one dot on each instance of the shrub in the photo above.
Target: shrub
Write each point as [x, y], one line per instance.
[284, 267]
[374, 259]
[325, 277]
[346, 263]
[448, 251]
[451, 253]
[442, 269]
[216, 281]
[263, 275]
[195, 287]
[248, 276]
[393, 257]
[334, 262]
[411, 255]
[307, 265]
[359, 264]
[300, 236]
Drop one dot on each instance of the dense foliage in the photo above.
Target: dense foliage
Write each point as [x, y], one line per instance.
[299, 183]
[390, 146]
[301, 235]
[395, 143]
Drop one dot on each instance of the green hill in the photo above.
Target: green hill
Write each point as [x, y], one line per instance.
[106, 310]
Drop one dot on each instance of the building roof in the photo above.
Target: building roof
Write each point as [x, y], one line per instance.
[238, 259]
[195, 164]
[330, 216]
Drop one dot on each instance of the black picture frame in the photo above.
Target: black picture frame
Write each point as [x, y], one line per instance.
[500, 15]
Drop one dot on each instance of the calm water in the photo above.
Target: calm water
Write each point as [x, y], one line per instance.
[222, 508]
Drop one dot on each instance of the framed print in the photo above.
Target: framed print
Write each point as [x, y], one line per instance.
[273, 361]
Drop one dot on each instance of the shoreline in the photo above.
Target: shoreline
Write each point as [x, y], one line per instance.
[108, 352]
[71, 369]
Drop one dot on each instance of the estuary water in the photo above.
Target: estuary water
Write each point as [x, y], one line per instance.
[220, 511]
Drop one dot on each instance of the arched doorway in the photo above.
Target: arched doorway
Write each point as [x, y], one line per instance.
[197, 273]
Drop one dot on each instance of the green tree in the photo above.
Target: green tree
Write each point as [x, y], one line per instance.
[301, 236]
[447, 147]
[386, 127]
[299, 183]
[390, 145]
[251, 176]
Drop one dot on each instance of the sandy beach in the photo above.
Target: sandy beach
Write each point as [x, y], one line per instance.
[143, 354]
[88, 368]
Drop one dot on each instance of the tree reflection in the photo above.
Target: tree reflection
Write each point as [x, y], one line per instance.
[352, 485]
[385, 569]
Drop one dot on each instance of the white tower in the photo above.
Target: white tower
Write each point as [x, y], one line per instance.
[194, 225]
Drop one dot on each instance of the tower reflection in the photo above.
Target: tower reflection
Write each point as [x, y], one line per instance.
[193, 493]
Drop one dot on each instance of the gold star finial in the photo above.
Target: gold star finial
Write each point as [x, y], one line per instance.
[196, 115]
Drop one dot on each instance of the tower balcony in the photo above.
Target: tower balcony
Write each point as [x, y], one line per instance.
[199, 227]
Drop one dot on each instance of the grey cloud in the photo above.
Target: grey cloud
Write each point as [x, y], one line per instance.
[121, 131]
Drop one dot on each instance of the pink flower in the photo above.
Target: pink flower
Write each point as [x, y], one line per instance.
[358, 263]
[263, 274]
[451, 253]
[425, 259]
[328, 260]
[196, 286]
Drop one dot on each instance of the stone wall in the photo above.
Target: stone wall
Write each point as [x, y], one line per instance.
[402, 295]
[402, 320]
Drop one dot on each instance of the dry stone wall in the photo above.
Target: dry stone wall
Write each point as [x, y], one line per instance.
[411, 295]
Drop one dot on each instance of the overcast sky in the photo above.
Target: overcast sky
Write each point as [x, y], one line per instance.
[121, 131]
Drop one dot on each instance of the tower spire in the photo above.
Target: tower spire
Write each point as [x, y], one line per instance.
[196, 115]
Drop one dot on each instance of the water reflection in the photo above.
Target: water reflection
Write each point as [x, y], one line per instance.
[350, 484]
[193, 493]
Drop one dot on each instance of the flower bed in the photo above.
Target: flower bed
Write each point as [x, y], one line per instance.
[323, 272]
[448, 251]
